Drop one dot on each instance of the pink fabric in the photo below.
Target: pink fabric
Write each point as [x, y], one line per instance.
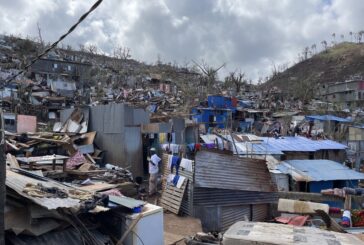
[113, 192]
[76, 160]
[26, 124]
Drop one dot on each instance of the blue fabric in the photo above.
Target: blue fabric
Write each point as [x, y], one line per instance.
[175, 164]
[191, 147]
[175, 180]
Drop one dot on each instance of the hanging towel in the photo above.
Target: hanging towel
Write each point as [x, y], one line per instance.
[165, 147]
[169, 163]
[180, 181]
[186, 164]
[191, 147]
[174, 148]
[170, 178]
[220, 143]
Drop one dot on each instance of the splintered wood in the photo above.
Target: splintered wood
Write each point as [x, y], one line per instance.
[172, 196]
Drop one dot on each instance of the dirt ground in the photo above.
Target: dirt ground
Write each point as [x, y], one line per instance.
[176, 228]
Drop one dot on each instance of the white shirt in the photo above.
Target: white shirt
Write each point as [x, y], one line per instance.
[154, 169]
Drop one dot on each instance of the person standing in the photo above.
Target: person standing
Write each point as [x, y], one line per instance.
[153, 171]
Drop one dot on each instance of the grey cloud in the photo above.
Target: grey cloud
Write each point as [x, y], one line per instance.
[248, 35]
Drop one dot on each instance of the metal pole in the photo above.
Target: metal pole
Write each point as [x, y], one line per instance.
[2, 179]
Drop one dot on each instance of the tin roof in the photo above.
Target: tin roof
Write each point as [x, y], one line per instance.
[216, 169]
[299, 143]
[17, 182]
[318, 170]
[327, 118]
[275, 146]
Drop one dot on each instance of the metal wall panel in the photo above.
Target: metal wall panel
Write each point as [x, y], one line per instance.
[209, 216]
[225, 171]
[260, 212]
[232, 214]
[209, 196]
[134, 149]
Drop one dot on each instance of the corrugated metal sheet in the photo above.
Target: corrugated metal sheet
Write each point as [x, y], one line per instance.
[260, 212]
[122, 144]
[68, 236]
[209, 216]
[232, 214]
[17, 182]
[215, 169]
[221, 197]
[328, 118]
[318, 170]
[299, 144]
[220, 218]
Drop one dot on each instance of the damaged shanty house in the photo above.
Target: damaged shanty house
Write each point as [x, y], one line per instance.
[119, 136]
[63, 76]
[219, 188]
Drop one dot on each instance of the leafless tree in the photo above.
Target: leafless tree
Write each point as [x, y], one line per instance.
[122, 53]
[360, 35]
[305, 53]
[342, 37]
[92, 48]
[324, 45]
[351, 36]
[274, 69]
[313, 48]
[40, 36]
[81, 48]
[333, 37]
[236, 79]
[209, 75]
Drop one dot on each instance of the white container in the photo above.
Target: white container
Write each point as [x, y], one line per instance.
[149, 228]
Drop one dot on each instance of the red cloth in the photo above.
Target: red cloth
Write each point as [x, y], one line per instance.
[295, 220]
[234, 102]
[198, 147]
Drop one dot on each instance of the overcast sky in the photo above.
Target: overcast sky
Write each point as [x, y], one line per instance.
[246, 34]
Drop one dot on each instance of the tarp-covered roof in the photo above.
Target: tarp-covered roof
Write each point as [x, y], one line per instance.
[327, 118]
[318, 170]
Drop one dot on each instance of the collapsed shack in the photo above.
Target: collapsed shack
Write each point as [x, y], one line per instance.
[37, 207]
[118, 133]
[60, 187]
[220, 189]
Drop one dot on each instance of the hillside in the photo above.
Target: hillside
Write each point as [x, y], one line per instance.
[336, 64]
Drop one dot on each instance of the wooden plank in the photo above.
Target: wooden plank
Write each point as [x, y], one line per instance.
[12, 161]
[97, 187]
[172, 196]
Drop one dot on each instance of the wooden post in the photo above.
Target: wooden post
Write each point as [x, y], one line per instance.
[64, 165]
